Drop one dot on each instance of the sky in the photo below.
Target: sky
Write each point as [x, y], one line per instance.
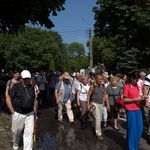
[69, 23]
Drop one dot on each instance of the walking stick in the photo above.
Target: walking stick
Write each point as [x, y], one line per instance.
[34, 131]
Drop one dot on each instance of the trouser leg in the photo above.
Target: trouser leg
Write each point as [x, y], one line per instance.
[69, 111]
[60, 108]
[17, 126]
[97, 113]
[28, 132]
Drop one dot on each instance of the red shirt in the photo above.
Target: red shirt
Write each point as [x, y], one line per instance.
[131, 93]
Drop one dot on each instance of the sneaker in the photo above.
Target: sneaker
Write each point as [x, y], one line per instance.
[100, 137]
[15, 146]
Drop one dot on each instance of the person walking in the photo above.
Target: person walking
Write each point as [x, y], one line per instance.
[74, 82]
[21, 103]
[82, 97]
[113, 91]
[41, 82]
[146, 92]
[132, 101]
[11, 82]
[63, 96]
[51, 87]
[96, 94]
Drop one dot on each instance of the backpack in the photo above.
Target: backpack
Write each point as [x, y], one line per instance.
[9, 84]
[28, 95]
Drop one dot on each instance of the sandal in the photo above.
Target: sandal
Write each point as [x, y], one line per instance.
[116, 128]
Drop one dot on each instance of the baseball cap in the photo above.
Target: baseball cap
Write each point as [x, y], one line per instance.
[25, 74]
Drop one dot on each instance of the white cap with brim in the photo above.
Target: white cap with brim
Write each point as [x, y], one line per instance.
[25, 74]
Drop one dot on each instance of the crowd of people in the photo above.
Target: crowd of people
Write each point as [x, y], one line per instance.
[24, 93]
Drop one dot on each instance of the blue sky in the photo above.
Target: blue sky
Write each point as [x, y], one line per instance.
[69, 24]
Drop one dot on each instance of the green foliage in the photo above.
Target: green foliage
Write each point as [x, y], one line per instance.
[129, 20]
[52, 64]
[104, 51]
[15, 14]
[76, 58]
[33, 48]
[128, 59]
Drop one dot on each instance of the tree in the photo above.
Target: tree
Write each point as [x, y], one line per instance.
[14, 14]
[75, 58]
[34, 48]
[127, 59]
[130, 21]
[104, 51]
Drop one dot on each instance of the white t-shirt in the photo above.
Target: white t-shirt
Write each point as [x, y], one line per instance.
[83, 91]
[147, 82]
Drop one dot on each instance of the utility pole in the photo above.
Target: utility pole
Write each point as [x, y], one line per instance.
[90, 46]
[90, 49]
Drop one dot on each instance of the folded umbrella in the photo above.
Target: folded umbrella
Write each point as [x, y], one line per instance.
[87, 112]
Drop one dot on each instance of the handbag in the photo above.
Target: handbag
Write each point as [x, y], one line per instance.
[118, 103]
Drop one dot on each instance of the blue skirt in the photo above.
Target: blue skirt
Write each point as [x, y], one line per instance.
[134, 129]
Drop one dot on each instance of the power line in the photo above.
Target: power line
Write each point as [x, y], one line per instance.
[72, 31]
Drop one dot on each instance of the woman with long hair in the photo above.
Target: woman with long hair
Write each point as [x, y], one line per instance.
[11, 82]
[132, 101]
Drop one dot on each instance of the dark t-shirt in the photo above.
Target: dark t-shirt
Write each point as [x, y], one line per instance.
[17, 98]
[98, 94]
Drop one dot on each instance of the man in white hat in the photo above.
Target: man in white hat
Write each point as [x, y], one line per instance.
[63, 97]
[21, 103]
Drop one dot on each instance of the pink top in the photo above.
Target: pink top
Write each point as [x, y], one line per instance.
[131, 93]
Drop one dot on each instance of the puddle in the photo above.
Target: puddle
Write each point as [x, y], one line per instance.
[66, 139]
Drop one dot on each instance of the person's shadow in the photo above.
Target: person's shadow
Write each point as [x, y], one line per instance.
[117, 137]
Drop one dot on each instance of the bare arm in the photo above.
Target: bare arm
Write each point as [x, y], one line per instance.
[6, 91]
[106, 99]
[78, 100]
[56, 96]
[130, 100]
[145, 90]
[145, 94]
[89, 96]
[35, 108]
[9, 104]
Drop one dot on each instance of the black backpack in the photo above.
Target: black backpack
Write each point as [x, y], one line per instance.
[28, 95]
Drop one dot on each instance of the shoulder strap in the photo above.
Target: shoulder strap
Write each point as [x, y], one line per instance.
[83, 88]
